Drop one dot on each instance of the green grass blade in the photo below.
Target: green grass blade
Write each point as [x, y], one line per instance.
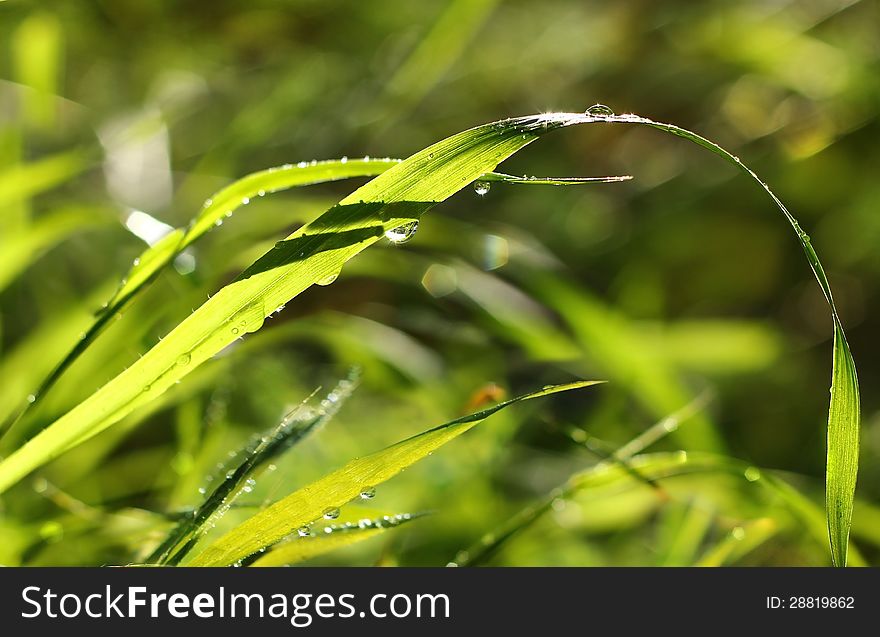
[842, 447]
[336, 489]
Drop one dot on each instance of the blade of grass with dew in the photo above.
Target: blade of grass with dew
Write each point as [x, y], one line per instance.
[331, 537]
[264, 448]
[397, 199]
[313, 254]
[842, 448]
[338, 488]
[166, 249]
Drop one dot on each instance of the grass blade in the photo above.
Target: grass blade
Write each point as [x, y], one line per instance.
[336, 489]
[330, 538]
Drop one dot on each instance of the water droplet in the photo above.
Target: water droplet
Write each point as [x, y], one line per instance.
[184, 359]
[31, 398]
[304, 531]
[738, 533]
[482, 187]
[402, 234]
[147, 388]
[331, 513]
[365, 523]
[368, 493]
[344, 160]
[327, 280]
[136, 262]
[202, 490]
[245, 201]
[752, 474]
[600, 110]
[235, 330]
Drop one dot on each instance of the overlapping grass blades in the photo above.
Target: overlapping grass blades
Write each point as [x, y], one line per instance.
[658, 467]
[259, 452]
[327, 494]
[399, 196]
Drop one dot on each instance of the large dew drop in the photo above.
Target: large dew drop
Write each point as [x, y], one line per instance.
[402, 234]
[327, 280]
[482, 187]
[599, 110]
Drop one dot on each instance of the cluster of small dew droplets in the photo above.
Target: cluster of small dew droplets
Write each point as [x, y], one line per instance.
[402, 234]
[386, 521]
[482, 187]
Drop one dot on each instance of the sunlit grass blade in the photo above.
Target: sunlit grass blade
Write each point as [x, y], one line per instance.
[330, 537]
[326, 495]
[264, 448]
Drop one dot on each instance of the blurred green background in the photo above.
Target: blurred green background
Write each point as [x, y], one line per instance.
[680, 282]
